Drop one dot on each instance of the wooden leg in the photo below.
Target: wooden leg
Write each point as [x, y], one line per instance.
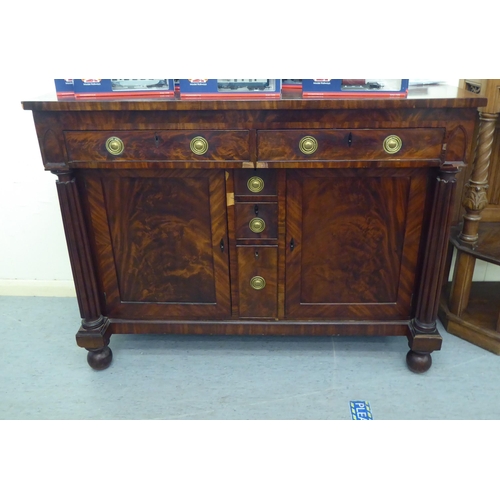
[418, 362]
[461, 284]
[99, 359]
[423, 336]
[93, 333]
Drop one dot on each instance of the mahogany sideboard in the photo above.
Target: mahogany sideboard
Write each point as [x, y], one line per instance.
[258, 217]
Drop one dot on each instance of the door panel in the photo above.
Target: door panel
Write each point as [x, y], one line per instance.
[159, 243]
[355, 242]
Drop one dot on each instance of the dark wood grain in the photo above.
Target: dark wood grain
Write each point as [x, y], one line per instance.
[355, 241]
[159, 243]
[429, 97]
[487, 246]
[350, 144]
[424, 336]
[247, 211]
[357, 115]
[92, 333]
[161, 238]
[257, 261]
[263, 327]
[241, 178]
[158, 145]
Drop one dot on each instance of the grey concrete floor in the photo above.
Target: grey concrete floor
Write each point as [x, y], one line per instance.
[45, 376]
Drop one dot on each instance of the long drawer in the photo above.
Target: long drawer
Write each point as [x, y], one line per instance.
[350, 144]
[163, 145]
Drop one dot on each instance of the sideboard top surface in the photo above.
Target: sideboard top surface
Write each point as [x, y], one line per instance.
[433, 96]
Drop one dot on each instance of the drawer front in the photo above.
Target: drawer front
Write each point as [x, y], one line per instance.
[249, 181]
[163, 145]
[258, 281]
[350, 144]
[256, 220]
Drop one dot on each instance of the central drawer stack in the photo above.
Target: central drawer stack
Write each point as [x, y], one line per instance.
[256, 225]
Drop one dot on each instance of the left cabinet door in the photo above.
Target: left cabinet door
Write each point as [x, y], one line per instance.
[160, 239]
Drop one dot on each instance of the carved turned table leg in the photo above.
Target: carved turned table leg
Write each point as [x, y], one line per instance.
[92, 334]
[474, 202]
[423, 336]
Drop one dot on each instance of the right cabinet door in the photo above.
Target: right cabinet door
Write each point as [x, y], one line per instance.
[353, 238]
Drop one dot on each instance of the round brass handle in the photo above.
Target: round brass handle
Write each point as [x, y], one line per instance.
[257, 225]
[255, 184]
[392, 144]
[199, 145]
[257, 282]
[115, 146]
[308, 145]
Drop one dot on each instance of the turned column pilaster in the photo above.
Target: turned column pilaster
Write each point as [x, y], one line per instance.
[94, 324]
[425, 336]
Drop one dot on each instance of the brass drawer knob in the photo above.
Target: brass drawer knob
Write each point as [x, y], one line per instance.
[392, 144]
[255, 184]
[257, 282]
[308, 145]
[199, 145]
[115, 146]
[257, 225]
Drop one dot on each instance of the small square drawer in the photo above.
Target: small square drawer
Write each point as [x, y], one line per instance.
[258, 281]
[162, 145]
[256, 220]
[251, 181]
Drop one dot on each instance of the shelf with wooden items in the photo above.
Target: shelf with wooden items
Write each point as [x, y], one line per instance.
[471, 310]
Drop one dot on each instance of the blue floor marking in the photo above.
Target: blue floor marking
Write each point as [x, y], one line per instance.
[361, 410]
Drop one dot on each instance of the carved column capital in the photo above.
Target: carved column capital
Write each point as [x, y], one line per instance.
[475, 198]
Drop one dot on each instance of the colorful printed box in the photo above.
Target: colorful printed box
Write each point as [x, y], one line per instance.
[123, 87]
[369, 87]
[198, 88]
[291, 84]
[64, 88]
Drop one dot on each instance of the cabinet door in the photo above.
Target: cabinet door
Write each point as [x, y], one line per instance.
[161, 242]
[352, 242]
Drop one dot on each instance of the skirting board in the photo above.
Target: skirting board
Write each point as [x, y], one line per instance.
[38, 288]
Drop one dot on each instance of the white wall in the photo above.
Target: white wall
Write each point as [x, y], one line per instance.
[33, 254]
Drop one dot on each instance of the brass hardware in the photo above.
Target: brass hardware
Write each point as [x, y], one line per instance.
[392, 144]
[255, 184]
[308, 145]
[115, 146]
[199, 145]
[257, 282]
[257, 225]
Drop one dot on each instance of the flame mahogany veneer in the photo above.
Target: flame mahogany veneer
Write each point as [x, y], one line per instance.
[294, 221]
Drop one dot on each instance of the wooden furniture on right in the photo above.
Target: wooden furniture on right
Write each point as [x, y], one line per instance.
[471, 310]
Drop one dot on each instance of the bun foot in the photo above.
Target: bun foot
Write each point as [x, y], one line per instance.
[418, 362]
[100, 359]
